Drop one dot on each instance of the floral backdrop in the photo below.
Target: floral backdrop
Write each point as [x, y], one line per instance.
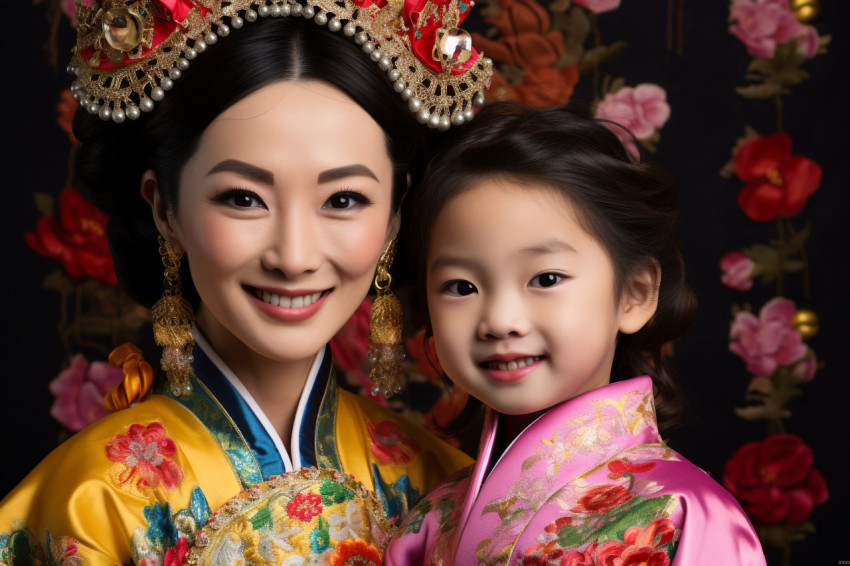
[744, 100]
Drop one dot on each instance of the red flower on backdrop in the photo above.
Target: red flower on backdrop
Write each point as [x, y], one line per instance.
[775, 480]
[77, 238]
[601, 499]
[305, 506]
[390, 445]
[540, 88]
[351, 343]
[779, 184]
[146, 452]
[421, 348]
[355, 553]
[79, 392]
[65, 110]
[525, 41]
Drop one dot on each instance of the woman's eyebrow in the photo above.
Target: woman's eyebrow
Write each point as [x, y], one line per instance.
[244, 169]
[355, 170]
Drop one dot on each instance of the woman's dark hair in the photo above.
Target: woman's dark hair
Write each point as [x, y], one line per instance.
[629, 207]
[113, 157]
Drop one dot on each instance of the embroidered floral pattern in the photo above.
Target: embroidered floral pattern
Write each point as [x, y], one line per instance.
[296, 519]
[21, 546]
[591, 536]
[305, 506]
[390, 445]
[355, 553]
[143, 458]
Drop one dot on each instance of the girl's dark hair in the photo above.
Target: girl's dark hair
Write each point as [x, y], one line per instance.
[113, 157]
[629, 207]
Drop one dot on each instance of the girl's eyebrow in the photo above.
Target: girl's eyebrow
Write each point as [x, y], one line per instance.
[245, 170]
[549, 247]
[447, 260]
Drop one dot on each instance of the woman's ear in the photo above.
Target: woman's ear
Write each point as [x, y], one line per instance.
[640, 299]
[162, 217]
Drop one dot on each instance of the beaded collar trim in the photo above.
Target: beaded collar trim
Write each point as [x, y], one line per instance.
[129, 53]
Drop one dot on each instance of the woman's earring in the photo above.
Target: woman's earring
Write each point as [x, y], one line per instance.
[385, 331]
[172, 325]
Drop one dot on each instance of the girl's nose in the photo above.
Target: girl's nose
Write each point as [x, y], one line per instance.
[504, 316]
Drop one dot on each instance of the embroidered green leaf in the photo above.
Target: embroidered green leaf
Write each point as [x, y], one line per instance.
[262, 518]
[334, 493]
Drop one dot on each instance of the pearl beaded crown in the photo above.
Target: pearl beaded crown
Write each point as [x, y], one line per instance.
[129, 53]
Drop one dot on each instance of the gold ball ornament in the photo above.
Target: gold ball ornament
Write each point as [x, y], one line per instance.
[453, 47]
[122, 29]
[806, 322]
[806, 11]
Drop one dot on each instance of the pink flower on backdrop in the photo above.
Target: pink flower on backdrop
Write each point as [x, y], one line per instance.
[70, 10]
[762, 25]
[775, 480]
[806, 368]
[641, 110]
[769, 341]
[737, 271]
[79, 392]
[598, 6]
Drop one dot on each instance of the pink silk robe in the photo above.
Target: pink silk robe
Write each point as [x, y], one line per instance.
[589, 482]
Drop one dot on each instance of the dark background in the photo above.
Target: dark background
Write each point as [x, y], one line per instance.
[707, 117]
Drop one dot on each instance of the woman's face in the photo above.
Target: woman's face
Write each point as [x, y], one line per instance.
[283, 212]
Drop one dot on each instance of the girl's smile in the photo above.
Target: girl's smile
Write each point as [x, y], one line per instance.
[521, 298]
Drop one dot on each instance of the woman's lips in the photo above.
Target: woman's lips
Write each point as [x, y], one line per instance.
[293, 306]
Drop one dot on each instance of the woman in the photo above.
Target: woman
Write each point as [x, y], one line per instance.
[269, 181]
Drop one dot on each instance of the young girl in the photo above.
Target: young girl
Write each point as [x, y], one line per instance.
[550, 268]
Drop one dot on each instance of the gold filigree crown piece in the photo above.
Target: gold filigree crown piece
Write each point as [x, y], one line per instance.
[129, 53]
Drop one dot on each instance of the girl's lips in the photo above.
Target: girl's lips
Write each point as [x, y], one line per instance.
[290, 307]
[510, 370]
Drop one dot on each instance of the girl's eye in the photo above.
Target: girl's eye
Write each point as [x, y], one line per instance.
[240, 198]
[546, 280]
[346, 199]
[460, 288]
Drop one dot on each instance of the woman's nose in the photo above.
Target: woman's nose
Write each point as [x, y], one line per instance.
[294, 246]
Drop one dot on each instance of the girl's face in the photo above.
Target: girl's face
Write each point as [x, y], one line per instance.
[521, 298]
[283, 212]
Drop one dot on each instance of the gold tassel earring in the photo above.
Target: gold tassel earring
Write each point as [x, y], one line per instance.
[172, 325]
[385, 331]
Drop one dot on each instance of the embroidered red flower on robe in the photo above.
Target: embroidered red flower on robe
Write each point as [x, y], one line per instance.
[639, 546]
[355, 553]
[146, 453]
[779, 183]
[174, 555]
[305, 506]
[620, 468]
[601, 499]
[390, 445]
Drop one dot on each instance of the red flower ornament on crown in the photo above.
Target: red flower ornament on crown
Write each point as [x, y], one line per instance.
[130, 52]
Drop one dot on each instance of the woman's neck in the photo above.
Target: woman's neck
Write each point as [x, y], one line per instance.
[276, 385]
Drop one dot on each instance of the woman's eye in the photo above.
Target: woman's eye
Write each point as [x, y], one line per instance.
[546, 280]
[240, 199]
[346, 199]
[460, 288]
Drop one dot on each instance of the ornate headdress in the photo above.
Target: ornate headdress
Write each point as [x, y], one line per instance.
[130, 52]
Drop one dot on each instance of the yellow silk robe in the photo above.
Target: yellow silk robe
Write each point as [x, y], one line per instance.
[128, 487]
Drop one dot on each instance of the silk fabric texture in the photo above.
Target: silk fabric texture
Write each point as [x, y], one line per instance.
[588, 482]
[131, 485]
